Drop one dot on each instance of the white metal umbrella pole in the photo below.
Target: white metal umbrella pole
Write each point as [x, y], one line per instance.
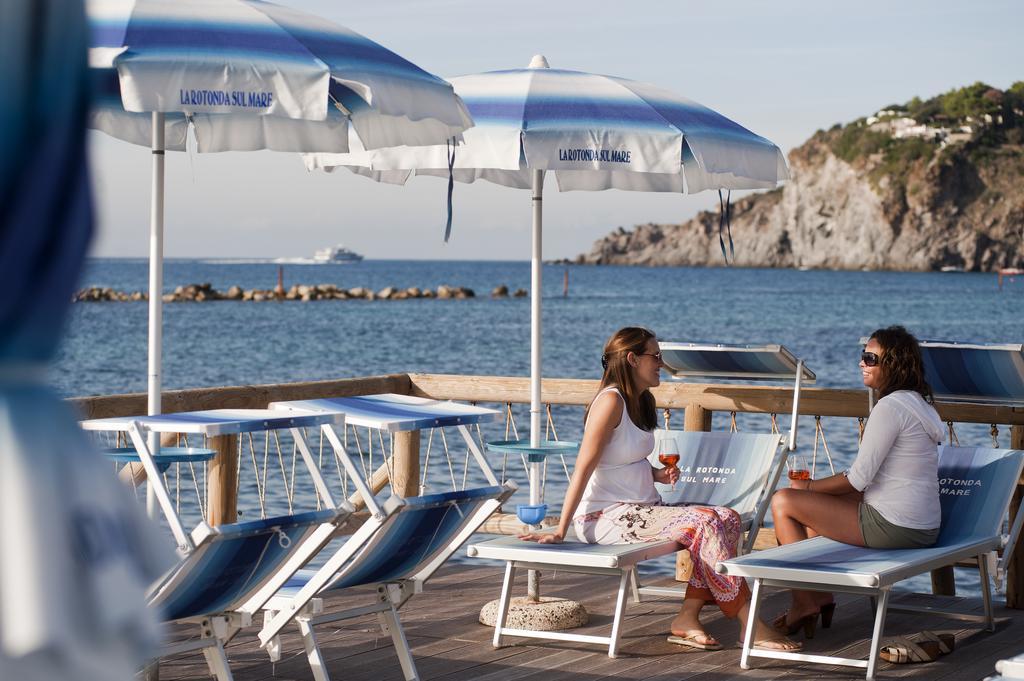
[156, 285]
[536, 263]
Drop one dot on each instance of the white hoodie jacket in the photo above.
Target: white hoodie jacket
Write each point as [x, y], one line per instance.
[897, 465]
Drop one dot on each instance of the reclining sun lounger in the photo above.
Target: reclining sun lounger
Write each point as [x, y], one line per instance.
[976, 487]
[746, 469]
[228, 572]
[403, 543]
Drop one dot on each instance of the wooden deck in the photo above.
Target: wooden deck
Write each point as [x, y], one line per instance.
[449, 644]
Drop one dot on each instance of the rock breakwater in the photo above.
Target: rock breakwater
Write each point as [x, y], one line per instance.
[198, 293]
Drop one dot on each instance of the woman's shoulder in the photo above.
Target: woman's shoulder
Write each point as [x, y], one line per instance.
[911, 406]
[608, 403]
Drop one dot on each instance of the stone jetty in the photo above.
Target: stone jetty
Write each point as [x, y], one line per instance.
[198, 293]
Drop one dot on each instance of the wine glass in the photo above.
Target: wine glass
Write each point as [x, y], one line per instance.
[797, 468]
[668, 454]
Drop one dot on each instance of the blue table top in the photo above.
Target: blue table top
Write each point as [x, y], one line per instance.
[393, 412]
[216, 421]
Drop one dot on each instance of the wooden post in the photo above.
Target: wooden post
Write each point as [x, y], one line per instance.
[403, 464]
[698, 418]
[222, 492]
[407, 464]
[1014, 573]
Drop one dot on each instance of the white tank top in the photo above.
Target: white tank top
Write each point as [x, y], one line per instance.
[623, 474]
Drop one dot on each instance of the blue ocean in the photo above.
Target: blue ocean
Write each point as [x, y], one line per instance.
[818, 315]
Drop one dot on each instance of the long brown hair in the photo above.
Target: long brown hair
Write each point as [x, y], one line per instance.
[901, 363]
[618, 373]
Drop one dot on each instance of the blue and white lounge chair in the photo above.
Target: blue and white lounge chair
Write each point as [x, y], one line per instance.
[404, 541]
[749, 467]
[228, 572]
[977, 485]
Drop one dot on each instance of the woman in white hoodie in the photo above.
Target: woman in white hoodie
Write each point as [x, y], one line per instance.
[889, 498]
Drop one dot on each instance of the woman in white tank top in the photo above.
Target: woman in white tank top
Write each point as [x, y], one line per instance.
[611, 498]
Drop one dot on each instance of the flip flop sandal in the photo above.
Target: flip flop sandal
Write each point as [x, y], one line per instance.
[905, 651]
[764, 644]
[708, 643]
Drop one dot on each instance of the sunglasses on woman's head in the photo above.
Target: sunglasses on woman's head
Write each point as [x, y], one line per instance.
[870, 359]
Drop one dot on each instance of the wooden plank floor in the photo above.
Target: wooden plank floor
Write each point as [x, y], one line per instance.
[450, 645]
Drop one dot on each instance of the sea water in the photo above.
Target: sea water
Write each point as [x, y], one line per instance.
[819, 315]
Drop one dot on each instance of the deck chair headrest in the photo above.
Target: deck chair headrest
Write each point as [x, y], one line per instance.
[718, 468]
[976, 484]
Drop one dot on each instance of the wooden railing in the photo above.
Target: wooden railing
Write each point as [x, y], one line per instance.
[698, 401]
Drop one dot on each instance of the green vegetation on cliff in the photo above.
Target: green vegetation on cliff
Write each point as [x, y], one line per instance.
[976, 120]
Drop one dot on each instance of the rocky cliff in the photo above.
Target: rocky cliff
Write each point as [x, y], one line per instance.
[922, 186]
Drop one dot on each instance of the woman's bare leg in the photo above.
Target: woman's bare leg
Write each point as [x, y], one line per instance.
[800, 514]
[764, 635]
[687, 622]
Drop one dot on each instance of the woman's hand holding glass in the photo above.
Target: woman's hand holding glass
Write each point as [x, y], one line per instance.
[668, 455]
[667, 476]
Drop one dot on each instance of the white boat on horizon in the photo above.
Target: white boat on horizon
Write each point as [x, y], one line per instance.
[336, 255]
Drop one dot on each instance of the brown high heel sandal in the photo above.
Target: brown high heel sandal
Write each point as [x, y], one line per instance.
[827, 611]
[808, 623]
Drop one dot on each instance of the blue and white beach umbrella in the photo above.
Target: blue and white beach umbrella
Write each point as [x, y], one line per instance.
[248, 75]
[593, 132]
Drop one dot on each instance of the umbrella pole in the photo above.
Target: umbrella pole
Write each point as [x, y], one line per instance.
[536, 263]
[156, 285]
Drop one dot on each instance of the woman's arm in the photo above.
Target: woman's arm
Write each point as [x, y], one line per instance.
[605, 414]
[837, 485]
[880, 434]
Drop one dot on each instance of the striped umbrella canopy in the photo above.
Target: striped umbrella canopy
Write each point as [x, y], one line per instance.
[254, 75]
[593, 132]
[248, 75]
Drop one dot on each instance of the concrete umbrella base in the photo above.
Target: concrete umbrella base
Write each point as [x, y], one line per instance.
[550, 614]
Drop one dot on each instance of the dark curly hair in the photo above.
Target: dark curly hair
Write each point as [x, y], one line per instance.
[901, 363]
[617, 372]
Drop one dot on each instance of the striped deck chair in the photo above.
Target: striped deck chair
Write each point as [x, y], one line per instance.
[402, 543]
[226, 573]
[400, 553]
[976, 485]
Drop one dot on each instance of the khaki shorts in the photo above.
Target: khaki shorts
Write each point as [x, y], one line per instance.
[879, 533]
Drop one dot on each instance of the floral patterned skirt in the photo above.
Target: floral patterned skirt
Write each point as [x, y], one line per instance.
[710, 533]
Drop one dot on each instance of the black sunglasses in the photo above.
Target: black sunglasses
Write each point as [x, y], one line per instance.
[655, 355]
[870, 359]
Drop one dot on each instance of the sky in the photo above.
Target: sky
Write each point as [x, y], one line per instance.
[782, 69]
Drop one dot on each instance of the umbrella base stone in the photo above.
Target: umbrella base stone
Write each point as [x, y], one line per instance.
[549, 614]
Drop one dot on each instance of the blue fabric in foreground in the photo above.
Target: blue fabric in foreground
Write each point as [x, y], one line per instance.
[45, 207]
[78, 554]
